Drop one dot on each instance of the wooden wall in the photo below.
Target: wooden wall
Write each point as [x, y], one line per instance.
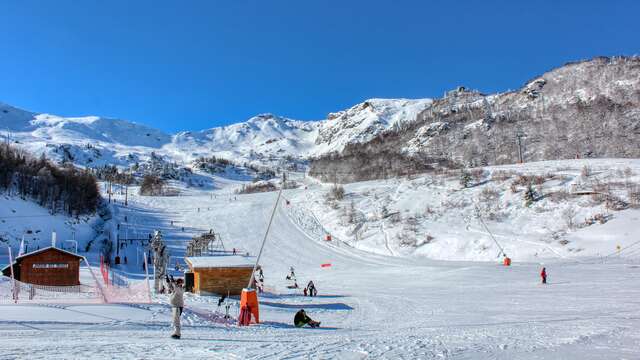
[221, 280]
[69, 276]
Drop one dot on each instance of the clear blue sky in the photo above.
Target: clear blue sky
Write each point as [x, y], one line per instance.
[189, 65]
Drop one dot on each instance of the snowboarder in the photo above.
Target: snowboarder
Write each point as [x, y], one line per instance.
[304, 291]
[301, 319]
[176, 300]
[543, 275]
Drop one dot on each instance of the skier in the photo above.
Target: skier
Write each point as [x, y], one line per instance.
[311, 288]
[176, 300]
[543, 275]
[292, 274]
[301, 319]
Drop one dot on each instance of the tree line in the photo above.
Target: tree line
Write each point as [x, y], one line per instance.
[68, 189]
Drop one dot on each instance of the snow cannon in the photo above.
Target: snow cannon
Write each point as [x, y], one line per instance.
[506, 261]
[248, 307]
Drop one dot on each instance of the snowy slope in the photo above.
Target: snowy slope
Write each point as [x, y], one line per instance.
[433, 216]
[371, 306]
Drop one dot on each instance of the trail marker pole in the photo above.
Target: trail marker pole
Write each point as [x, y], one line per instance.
[13, 279]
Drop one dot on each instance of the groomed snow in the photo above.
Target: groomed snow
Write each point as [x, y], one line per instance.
[198, 262]
[372, 306]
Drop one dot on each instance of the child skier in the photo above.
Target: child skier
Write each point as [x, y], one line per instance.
[176, 300]
[543, 275]
[301, 319]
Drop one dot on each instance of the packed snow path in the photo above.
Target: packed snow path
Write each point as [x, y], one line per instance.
[371, 306]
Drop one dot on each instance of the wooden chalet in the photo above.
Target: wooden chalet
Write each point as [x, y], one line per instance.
[49, 266]
[221, 274]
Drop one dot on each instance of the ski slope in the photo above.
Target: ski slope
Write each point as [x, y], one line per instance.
[371, 305]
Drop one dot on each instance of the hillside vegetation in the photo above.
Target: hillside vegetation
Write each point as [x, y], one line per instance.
[68, 189]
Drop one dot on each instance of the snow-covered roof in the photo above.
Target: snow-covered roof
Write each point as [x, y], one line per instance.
[221, 261]
[48, 248]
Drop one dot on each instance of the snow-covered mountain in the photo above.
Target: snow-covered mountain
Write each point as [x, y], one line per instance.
[585, 109]
[263, 139]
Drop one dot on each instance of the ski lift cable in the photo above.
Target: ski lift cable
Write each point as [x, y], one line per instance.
[264, 240]
[489, 231]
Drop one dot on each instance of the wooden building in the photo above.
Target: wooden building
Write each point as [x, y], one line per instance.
[220, 275]
[49, 266]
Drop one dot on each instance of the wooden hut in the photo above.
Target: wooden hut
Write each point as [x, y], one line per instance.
[221, 275]
[49, 266]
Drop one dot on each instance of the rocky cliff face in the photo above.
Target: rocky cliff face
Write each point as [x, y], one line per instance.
[585, 109]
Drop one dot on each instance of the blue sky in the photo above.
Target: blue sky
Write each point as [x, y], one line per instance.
[189, 65]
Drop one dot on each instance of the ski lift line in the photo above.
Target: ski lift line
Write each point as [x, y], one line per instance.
[617, 252]
[264, 240]
[489, 231]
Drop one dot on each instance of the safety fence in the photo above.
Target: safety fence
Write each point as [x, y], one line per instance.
[18, 292]
[118, 289]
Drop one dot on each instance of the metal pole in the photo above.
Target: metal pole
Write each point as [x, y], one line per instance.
[275, 207]
[13, 279]
[146, 274]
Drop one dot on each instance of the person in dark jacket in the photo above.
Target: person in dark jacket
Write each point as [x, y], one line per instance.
[311, 289]
[301, 319]
[543, 275]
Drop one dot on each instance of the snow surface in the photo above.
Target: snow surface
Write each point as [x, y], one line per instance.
[372, 305]
[221, 261]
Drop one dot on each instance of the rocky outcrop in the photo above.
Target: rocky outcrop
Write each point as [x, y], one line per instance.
[584, 109]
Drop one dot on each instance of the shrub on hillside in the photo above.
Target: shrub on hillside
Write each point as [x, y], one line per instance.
[257, 187]
[336, 192]
[152, 186]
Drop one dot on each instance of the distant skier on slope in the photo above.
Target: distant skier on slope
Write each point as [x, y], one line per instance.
[301, 319]
[543, 275]
[176, 300]
[311, 289]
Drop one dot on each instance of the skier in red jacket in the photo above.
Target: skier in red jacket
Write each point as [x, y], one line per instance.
[543, 275]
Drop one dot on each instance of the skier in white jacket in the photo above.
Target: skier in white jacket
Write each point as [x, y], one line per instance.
[176, 300]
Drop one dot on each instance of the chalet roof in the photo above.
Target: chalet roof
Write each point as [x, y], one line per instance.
[46, 249]
[221, 261]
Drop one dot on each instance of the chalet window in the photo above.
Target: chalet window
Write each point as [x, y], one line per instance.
[51, 266]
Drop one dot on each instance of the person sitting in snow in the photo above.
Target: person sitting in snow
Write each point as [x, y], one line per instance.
[176, 300]
[543, 275]
[301, 319]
